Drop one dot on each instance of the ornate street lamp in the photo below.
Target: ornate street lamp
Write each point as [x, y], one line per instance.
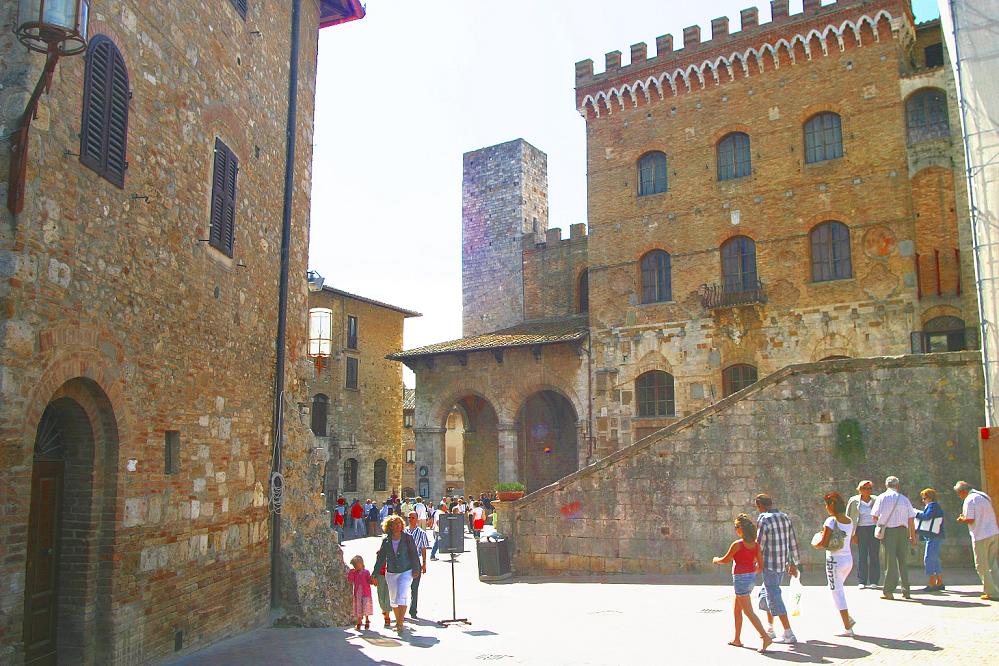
[320, 337]
[56, 28]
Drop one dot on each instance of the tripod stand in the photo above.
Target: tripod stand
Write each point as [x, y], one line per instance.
[454, 612]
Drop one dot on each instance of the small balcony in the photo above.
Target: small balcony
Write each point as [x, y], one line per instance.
[714, 296]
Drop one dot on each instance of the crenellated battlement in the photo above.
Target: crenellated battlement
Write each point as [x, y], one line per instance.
[553, 238]
[786, 40]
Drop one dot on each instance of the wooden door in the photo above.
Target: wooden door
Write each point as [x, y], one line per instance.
[42, 571]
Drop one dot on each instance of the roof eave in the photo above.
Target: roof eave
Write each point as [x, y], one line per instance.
[355, 12]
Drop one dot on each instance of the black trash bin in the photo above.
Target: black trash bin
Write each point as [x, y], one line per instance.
[494, 558]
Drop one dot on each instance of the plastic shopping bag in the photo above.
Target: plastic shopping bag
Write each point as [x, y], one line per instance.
[796, 589]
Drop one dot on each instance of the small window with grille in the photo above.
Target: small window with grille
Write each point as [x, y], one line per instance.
[171, 462]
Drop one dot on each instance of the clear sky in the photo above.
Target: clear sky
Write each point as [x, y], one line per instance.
[405, 91]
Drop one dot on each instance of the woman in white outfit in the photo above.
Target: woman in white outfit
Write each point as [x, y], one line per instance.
[836, 533]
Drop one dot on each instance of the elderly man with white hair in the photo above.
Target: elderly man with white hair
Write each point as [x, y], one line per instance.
[980, 517]
[893, 515]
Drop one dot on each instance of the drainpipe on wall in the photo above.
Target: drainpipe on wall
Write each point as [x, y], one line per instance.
[282, 328]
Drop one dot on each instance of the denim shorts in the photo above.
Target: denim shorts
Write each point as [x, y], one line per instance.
[771, 593]
[743, 583]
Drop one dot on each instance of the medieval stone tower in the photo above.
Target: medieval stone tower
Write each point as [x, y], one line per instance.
[504, 198]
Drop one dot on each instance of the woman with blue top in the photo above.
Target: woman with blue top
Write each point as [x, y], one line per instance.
[929, 528]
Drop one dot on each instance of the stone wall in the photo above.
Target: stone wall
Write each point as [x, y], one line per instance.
[666, 504]
[109, 294]
[504, 199]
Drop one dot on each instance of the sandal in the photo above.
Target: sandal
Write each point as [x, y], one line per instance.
[388, 623]
[367, 623]
[357, 626]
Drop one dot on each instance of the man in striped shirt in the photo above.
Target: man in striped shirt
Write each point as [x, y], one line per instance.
[775, 534]
[422, 544]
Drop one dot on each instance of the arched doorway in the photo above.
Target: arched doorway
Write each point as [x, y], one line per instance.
[546, 439]
[70, 523]
[471, 444]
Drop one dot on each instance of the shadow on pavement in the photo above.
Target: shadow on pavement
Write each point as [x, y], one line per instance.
[899, 643]
[289, 646]
[818, 652]
[947, 603]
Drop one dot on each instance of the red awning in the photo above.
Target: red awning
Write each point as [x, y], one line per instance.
[335, 12]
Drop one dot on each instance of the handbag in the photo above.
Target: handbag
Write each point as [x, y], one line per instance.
[836, 539]
[879, 531]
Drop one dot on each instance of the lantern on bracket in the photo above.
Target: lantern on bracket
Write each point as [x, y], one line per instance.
[55, 28]
[320, 337]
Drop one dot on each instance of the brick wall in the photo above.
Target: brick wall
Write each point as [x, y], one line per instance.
[552, 272]
[667, 503]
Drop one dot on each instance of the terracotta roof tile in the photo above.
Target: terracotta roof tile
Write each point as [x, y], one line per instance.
[528, 334]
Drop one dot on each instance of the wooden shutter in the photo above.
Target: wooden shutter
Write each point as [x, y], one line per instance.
[104, 126]
[240, 6]
[223, 216]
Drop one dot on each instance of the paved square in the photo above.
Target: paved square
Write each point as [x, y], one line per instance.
[625, 620]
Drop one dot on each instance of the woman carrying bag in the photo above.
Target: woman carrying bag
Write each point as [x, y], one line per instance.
[399, 557]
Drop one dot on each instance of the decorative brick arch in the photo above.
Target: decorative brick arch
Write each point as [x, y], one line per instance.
[833, 344]
[223, 122]
[940, 311]
[76, 356]
[654, 360]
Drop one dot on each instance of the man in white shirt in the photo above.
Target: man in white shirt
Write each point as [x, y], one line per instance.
[421, 512]
[893, 513]
[980, 517]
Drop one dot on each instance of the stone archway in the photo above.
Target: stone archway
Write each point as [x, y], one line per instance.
[546, 439]
[480, 444]
[67, 605]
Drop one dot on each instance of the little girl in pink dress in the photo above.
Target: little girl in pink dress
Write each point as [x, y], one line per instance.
[360, 578]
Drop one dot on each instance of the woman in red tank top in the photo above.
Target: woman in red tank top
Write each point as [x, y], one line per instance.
[746, 559]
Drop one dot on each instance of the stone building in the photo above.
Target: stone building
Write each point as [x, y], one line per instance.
[139, 291]
[356, 412]
[786, 193]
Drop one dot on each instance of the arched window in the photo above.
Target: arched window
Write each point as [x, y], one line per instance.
[652, 178]
[831, 259]
[737, 377]
[104, 127]
[739, 265]
[320, 411]
[657, 284]
[944, 334]
[583, 291]
[926, 115]
[349, 475]
[654, 391]
[381, 474]
[734, 159]
[823, 137]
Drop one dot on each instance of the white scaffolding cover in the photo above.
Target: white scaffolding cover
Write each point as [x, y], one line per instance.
[971, 28]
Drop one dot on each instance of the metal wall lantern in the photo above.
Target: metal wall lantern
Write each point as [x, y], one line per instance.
[60, 24]
[55, 28]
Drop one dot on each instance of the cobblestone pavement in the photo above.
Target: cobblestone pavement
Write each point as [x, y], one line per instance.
[625, 620]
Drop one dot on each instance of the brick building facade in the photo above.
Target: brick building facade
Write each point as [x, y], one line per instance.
[139, 299]
[785, 193]
[356, 412]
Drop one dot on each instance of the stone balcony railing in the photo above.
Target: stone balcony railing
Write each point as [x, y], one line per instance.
[715, 296]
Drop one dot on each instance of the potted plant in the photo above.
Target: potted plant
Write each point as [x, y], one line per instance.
[506, 492]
